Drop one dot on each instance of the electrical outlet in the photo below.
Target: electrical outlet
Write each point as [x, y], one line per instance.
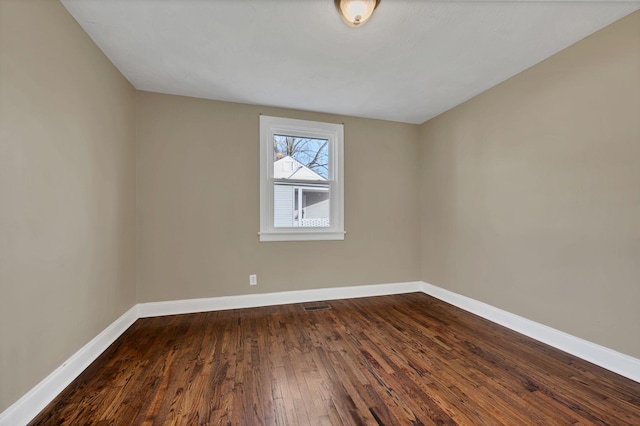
[253, 280]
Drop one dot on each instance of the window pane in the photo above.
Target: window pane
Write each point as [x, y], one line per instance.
[300, 158]
[315, 207]
[288, 198]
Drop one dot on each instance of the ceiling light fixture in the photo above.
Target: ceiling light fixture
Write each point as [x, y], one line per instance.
[356, 12]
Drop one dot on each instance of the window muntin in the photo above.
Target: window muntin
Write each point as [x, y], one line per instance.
[301, 191]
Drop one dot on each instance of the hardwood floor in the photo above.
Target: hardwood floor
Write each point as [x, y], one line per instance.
[404, 359]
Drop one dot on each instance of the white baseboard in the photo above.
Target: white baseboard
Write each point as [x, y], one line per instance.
[31, 403]
[27, 407]
[175, 307]
[617, 362]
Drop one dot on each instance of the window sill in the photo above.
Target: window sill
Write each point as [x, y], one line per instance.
[302, 236]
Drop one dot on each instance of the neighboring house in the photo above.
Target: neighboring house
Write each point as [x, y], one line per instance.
[306, 189]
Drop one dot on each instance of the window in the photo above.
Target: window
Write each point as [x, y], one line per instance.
[301, 180]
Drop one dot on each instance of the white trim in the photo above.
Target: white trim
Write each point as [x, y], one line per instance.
[175, 307]
[27, 407]
[301, 236]
[617, 362]
[34, 401]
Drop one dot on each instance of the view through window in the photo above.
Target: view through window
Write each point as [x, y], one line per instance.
[301, 193]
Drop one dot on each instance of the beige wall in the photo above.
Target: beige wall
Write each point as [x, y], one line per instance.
[67, 192]
[198, 214]
[531, 192]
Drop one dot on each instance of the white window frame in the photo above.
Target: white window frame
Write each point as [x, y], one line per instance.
[334, 133]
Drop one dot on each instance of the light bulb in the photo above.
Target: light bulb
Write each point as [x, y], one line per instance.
[356, 12]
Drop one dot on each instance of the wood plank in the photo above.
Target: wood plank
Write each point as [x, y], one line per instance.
[403, 359]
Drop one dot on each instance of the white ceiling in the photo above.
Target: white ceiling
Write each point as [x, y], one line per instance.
[412, 61]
